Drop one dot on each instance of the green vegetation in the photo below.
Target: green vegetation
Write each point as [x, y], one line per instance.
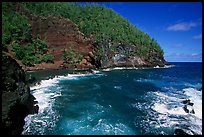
[48, 58]
[105, 25]
[17, 33]
[99, 21]
[15, 26]
[33, 52]
[71, 57]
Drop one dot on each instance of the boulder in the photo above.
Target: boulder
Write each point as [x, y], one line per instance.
[84, 61]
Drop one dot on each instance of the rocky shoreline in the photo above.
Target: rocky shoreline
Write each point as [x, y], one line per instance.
[17, 102]
[35, 76]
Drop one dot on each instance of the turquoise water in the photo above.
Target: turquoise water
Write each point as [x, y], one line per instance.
[119, 101]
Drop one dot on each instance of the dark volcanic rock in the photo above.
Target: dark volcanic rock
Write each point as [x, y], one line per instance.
[185, 109]
[187, 102]
[17, 102]
[31, 79]
[123, 55]
[180, 132]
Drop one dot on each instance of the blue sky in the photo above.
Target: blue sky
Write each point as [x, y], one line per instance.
[177, 26]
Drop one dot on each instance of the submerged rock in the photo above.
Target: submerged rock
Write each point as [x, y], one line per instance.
[180, 132]
[17, 102]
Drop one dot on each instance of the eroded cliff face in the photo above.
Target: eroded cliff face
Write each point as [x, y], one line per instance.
[17, 102]
[121, 55]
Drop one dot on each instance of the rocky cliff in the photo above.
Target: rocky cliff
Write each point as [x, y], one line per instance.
[17, 102]
[122, 55]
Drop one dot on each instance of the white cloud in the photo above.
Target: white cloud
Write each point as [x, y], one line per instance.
[196, 54]
[182, 55]
[183, 26]
[178, 45]
[197, 36]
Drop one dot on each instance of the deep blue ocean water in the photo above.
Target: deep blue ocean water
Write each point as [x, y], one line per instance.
[120, 101]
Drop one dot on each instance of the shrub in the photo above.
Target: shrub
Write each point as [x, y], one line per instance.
[40, 45]
[48, 58]
[30, 60]
[71, 57]
[20, 53]
[142, 52]
[37, 60]
[6, 39]
[27, 60]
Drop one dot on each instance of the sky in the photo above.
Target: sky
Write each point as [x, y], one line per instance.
[177, 26]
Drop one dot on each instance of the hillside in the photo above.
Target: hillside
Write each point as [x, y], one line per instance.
[52, 35]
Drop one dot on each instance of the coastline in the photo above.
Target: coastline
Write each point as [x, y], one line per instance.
[35, 76]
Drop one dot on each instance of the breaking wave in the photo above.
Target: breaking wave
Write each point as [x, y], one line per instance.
[45, 93]
[168, 112]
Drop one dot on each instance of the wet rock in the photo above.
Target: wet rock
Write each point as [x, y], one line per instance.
[186, 109]
[188, 102]
[180, 132]
[192, 111]
[17, 102]
[31, 80]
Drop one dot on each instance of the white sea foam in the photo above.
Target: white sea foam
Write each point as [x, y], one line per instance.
[56, 79]
[142, 80]
[165, 110]
[46, 115]
[95, 71]
[118, 87]
[45, 93]
[168, 66]
[162, 108]
[157, 66]
[118, 68]
[135, 68]
[165, 66]
[195, 96]
[44, 84]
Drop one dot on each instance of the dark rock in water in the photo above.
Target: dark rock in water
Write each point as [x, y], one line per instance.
[191, 104]
[199, 88]
[188, 102]
[31, 79]
[180, 132]
[17, 102]
[185, 109]
[192, 111]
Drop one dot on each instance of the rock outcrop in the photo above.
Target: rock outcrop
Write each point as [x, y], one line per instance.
[121, 55]
[17, 102]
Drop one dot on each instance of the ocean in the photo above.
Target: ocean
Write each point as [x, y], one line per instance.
[119, 101]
